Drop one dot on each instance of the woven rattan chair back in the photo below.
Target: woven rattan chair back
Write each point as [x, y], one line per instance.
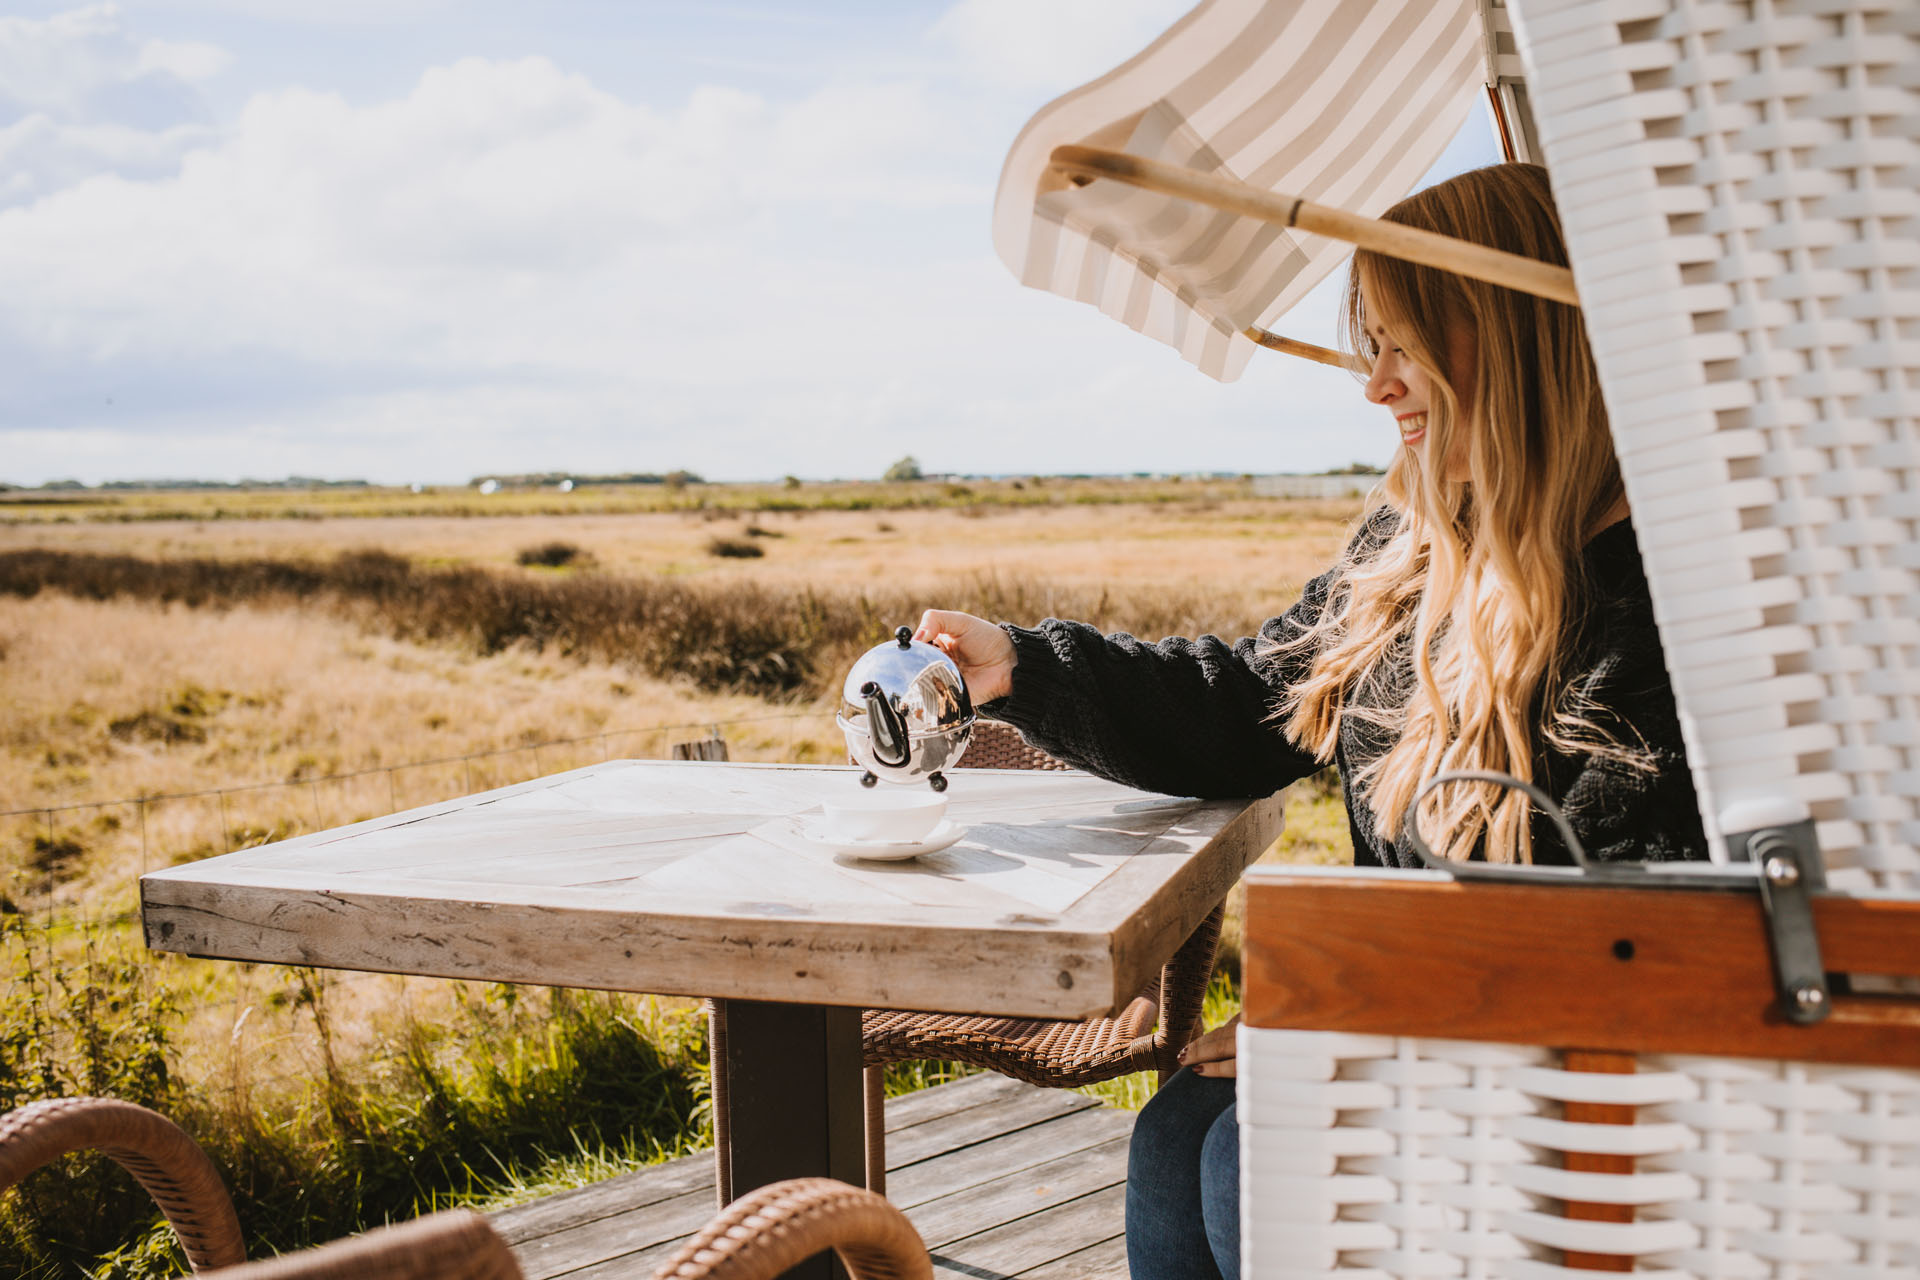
[999, 746]
[456, 1245]
[770, 1230]
[155, 1150]
[186, 1186]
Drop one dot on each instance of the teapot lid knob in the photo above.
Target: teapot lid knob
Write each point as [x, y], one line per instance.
[905, 636]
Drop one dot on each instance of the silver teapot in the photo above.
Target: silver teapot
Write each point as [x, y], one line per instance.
[905, 712]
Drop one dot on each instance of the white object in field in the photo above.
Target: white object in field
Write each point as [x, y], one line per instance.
[1389, 1156]
[1738, 188]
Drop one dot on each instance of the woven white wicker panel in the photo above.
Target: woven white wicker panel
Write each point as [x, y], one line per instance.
[1397, 1157]
[1738, 183]
[1803, 1170]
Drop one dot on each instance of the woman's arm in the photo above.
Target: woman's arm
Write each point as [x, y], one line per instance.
[1182, 717]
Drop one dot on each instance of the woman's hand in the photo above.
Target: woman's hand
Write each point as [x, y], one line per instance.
[1214, 1053]
[983, 652]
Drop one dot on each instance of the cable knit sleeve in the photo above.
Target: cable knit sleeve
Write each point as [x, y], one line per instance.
[1182, 717]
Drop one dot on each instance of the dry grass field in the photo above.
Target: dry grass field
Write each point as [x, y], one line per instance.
[1245, 555]
[273, 702]
[110, 700]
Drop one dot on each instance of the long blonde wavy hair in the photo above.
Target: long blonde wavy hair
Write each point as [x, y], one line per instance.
[1477, 587]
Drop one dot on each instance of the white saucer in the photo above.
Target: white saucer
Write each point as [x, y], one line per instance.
[947, 832]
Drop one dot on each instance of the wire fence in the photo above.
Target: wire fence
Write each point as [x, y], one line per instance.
[336, 799]
[605, 738]
[65, 930]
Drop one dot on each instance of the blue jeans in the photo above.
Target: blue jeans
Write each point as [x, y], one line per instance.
[1183, 1183]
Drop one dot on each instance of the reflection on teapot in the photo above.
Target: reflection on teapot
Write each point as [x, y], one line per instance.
[905, 712]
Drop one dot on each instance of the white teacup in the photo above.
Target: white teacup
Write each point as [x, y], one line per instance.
[885, 815]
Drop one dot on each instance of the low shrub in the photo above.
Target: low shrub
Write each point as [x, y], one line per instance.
[747, 637]
[553, 555]
[735, 548]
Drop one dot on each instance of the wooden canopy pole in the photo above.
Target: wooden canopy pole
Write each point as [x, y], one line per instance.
[1476, 261]
[1305, 350]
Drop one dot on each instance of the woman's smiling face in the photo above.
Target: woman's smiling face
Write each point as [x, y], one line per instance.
[1408, 391]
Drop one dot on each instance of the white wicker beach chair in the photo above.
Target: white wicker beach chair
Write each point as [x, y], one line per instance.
[1705, 1071]
[1737, 183]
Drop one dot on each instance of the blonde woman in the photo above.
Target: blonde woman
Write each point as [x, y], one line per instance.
[1490, 613]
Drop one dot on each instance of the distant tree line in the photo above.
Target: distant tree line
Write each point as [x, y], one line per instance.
[291, 482]
[532, 480]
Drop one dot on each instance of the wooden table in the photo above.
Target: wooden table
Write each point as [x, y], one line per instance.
[685, 878]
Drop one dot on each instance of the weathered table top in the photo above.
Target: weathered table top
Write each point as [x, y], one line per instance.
[688, 878]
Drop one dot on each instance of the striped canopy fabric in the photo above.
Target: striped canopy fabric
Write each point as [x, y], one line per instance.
[1341, 102]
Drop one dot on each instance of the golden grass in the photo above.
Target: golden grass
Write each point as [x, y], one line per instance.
[109, 700]
[1251, 556]
[116, 699]
[106, 701]
[286, 697]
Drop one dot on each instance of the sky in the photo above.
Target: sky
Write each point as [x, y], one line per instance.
[417, 241]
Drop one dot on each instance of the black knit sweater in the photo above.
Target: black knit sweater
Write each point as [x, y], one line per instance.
[1196, 717]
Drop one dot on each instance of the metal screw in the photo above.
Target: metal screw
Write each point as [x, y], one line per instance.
[1810, 997]
[1782, 871]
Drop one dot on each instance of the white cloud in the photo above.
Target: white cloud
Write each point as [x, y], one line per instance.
[1052, 45]
[506, 243]
[342, 232]
[81, 95]
[511, 267]
[188, 60]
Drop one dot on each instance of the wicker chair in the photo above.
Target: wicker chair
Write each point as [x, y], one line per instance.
[999, 746]
[1042, 1051]
[1054, 1053]
[186, 1186]
[1696, 1071]
[155, 1150]
[770, 1230]
[765, 1234]
[1720, 1096]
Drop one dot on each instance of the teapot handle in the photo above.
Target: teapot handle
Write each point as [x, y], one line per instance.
[891, 745]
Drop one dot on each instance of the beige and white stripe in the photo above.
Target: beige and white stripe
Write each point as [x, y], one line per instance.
[1342, 104]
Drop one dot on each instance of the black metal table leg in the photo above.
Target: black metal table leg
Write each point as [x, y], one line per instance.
[794, 1094]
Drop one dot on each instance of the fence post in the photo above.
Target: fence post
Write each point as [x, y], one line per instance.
[713, 748]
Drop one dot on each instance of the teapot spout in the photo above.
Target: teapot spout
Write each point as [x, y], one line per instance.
[891, 745]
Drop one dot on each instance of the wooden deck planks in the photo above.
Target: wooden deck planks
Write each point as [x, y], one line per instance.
[1002, 1179]
[1027, 1244]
